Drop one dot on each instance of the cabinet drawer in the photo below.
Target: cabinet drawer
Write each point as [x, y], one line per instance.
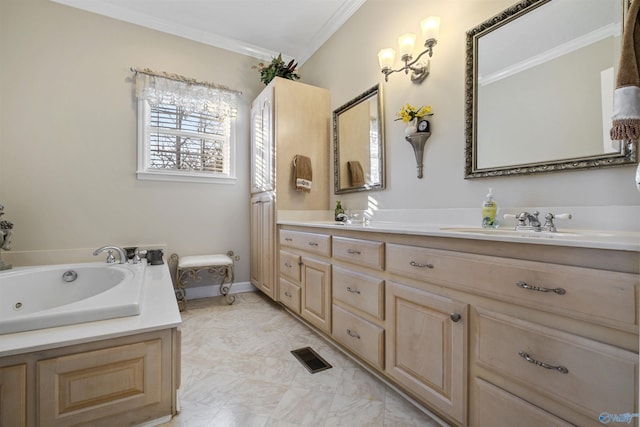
[289, 294]
[360, 291]
[495, 407]
[589, 376]
[362, 252]
[290, 265]
[605, 297]
[311, 242]
[364, 338]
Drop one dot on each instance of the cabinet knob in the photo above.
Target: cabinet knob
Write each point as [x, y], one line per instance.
[455, 317]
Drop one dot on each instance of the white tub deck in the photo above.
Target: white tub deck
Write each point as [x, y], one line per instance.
[159, 311]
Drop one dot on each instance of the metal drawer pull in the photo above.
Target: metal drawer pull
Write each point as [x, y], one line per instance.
[415, 264]
[288, 239]
[353, 251]
[523, 285]
[455, 317]
[313, 244]
[286, 264]
[558, 368]
[287, 294]
[353, 334]
[353, 291]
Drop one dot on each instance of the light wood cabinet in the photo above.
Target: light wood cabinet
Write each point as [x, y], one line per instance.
[586, 376]
[120, 381]
[280, 115]
[13, 396]
[262, 244]
[426, 347]
[495, 407]
[316, 293]
[481, 333]
[303, 264]
[85, 387]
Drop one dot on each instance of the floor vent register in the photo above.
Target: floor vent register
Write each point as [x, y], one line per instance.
[310, 359]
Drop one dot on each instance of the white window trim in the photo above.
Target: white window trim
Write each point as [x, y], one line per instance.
[145, 173]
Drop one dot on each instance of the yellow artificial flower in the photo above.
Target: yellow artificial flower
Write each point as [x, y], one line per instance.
[408, 112]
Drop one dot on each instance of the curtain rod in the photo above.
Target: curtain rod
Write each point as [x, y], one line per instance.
[180, 78]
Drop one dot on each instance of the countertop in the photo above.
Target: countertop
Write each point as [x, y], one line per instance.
[597, 239]
[159, 311]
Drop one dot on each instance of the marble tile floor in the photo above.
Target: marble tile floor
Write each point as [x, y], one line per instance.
[237, 371]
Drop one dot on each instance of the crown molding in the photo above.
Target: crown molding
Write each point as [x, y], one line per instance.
[104, 8]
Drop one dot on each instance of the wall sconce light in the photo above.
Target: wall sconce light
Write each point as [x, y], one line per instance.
[419, 70]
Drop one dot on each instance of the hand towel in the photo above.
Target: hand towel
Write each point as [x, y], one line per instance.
[356, 173]
[626, 98]
[302, 173]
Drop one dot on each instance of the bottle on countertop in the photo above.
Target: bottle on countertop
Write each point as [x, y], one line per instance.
[489, 210]
[339, 212]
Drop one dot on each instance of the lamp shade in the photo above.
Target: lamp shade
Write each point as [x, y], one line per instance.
[406, 43]
[430, 28]
[386, 58]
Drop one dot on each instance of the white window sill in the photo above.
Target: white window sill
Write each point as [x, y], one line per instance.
[176, 176]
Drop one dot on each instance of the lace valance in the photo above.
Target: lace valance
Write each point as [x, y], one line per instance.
[189, 94]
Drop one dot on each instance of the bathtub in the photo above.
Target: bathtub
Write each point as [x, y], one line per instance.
[47, 296]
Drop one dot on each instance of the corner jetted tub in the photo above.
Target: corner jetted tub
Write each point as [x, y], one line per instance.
[57, 295]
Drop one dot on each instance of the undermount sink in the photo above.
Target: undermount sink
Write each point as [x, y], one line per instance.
[526, 233]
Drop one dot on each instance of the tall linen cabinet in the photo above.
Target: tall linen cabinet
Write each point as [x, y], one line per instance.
[288, 118]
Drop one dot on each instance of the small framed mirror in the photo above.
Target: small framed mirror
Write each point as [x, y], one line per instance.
[358, 143]
[539, 88]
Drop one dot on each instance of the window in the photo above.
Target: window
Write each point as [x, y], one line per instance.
[185, 131]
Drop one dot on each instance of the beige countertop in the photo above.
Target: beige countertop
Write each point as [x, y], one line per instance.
[597, 239]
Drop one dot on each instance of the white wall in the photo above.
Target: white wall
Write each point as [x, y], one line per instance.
[347, 65]
[68, 137]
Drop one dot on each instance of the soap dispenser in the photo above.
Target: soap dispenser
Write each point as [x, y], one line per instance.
[489, 210]
[339, 212]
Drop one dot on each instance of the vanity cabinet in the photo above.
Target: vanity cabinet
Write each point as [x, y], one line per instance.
[288, 118]
[13, 396]
[482, 333]
[305, 276]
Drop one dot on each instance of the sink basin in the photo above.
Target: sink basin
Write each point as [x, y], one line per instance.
[527, 233]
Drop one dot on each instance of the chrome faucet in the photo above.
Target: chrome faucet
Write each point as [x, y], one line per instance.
[534, 222]
[110, 258]
[530, 221]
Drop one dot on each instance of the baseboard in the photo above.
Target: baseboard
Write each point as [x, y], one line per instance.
[214, 290]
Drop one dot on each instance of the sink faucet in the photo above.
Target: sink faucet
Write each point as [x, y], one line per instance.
[110, 258]
[534, 222]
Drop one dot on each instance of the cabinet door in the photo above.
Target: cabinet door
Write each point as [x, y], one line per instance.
[426, 347]
[13, 396]
[262, 260]
[316, 293]
[262, 142]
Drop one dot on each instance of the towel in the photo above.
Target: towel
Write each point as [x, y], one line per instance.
[626, 98]
[302, 173]
[356, 174]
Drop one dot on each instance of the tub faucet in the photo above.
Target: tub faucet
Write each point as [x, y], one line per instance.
[111, 259]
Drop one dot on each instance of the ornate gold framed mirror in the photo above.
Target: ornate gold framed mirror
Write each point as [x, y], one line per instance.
[540, 78]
